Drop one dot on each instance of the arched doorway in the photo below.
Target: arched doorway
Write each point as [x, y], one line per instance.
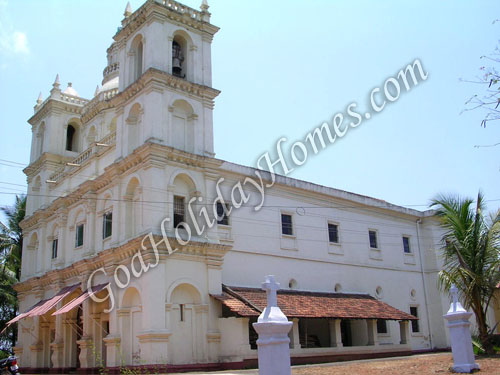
[131, 324]
[187, 325]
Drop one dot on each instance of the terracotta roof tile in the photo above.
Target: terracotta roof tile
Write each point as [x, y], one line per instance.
[248, 302]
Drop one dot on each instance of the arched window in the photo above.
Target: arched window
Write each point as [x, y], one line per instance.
[137, 57]
[178, 57]
[138, 60]
[41, 137]
[70, 138]
[133, 122]
[183, 124]
[91, 136]
[133, 216]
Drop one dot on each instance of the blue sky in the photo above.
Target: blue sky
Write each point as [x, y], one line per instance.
[283, 68]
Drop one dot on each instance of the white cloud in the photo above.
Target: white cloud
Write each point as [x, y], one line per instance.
[20, 42]
[12, 42]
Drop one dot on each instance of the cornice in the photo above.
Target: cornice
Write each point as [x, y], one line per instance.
[186, 16]
[48, 160]
[152, 80]
[55, 106]
[148, 155]
[110, 258]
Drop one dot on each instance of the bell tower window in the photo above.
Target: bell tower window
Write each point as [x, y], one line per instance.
[70, 138]
[136, 58]
[178, 57]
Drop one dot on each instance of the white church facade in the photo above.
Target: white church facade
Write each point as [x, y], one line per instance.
[359, 275]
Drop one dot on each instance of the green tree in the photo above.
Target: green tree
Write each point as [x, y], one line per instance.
[11, 245]
[471, 246]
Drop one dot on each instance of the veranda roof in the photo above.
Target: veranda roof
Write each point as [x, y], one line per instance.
[249, 302]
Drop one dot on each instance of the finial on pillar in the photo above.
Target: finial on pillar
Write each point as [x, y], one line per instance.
[128, 10]
[40, 99]
[96, 91]
[271, 287]
[204, 5]
[57, 83]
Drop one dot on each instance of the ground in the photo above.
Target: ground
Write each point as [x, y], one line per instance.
[421, 365]
[424, 364]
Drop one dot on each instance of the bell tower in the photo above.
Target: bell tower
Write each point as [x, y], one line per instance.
[165, 71]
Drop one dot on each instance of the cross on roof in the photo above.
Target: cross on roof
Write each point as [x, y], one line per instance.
[271, 287]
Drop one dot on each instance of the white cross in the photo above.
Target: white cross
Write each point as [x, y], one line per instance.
[271, 287]
[454, 296]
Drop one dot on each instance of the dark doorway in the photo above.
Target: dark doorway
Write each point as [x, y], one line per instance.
[345, 331]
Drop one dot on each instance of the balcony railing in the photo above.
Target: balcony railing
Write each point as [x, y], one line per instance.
[77, 162]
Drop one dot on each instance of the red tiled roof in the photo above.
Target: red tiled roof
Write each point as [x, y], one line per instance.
[248, 302]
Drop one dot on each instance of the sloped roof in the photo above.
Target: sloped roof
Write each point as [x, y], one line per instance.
[249, 302]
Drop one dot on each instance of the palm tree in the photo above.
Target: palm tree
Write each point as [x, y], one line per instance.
[471, 255]
[11, 245]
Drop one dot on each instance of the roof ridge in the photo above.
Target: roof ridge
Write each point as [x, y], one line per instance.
[307, 292]
[232, 293]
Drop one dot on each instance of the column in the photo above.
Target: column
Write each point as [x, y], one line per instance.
[57, 346]
[113, 340]
[86, 342]
[90, 236]
[335, 333]
[42, 255]
[404, 330]
[45, 345]
[62, 248]
[371, 325]
[69, 338]
[295, 334]
[154, 340]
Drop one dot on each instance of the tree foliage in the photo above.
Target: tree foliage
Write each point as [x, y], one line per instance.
[11, 245]
[488, 97]
[471, 248]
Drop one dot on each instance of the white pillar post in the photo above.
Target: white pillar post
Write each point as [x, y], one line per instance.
[461, 342]
[404, 331]
[371, 325]
[335, 334]
[273, 327]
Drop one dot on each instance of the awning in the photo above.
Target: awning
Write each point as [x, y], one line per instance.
[249, 302]
[82, 297]
[24, 314]
[51, 302]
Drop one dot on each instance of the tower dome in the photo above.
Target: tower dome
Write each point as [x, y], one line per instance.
[70, 90]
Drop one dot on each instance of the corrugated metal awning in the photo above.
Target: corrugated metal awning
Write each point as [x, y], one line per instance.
[51, 302]
[78, 300]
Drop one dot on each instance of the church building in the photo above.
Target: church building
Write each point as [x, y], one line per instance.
[115, 272]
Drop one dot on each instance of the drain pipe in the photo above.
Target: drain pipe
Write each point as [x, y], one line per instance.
[419, 221]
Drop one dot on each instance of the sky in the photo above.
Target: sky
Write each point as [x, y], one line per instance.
[283, 68]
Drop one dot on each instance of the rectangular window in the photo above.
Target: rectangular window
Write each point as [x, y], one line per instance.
[381, 326]
[286, 224]
[222, 218]
[179, 210]
[373, 239]
[333, 233]
[414, 323]
[79, 235]
[54, 248]
[107, 224]
[406, 244]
